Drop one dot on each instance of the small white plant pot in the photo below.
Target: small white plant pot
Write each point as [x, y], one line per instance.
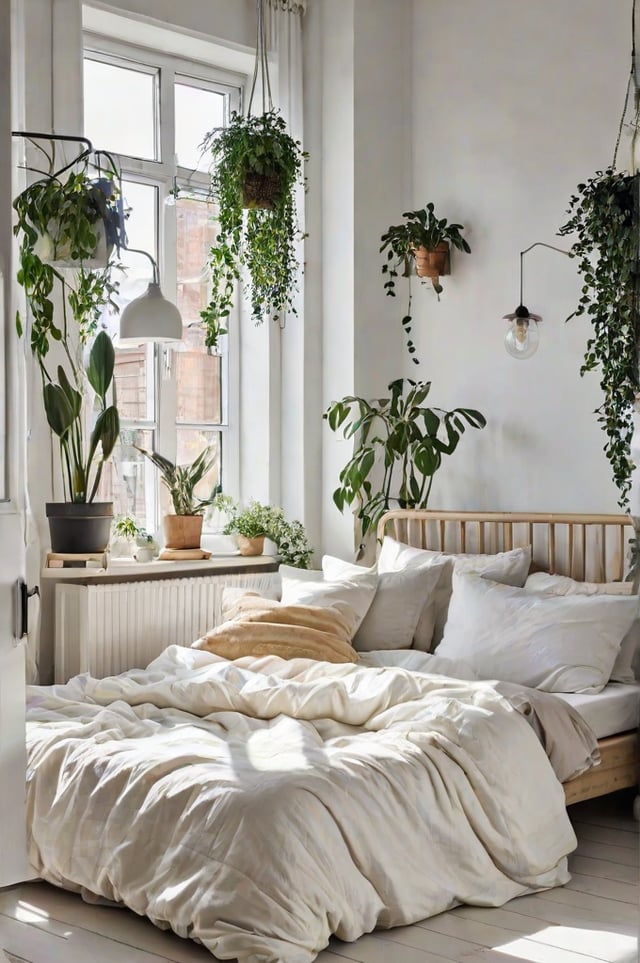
[145, 553]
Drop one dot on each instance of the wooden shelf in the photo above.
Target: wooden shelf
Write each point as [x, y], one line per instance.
[124, 570]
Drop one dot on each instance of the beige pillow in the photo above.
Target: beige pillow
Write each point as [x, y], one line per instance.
[508, 568]
[627, 665]
[257, 626]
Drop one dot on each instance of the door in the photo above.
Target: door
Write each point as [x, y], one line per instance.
[13, 848]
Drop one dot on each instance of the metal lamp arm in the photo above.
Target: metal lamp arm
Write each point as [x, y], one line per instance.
[551, 247]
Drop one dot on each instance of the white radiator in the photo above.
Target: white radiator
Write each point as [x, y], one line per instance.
[106, 629]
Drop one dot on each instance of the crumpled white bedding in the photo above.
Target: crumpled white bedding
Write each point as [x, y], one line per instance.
[261, 805]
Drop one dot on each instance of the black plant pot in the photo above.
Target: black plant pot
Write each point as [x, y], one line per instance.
[79, 529]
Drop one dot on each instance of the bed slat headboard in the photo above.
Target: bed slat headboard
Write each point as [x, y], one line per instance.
[589, 548]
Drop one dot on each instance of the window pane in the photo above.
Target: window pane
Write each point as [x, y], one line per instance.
[198, 373]
[198, 381]
[196, 234]
[197, 112]
[134, 383]
[129, 479]
[120, 109]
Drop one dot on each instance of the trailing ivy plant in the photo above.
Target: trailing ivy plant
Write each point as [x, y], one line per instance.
[260, 241]
[400, 442]
[603, 216]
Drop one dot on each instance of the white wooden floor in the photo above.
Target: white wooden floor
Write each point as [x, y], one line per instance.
[594, 917]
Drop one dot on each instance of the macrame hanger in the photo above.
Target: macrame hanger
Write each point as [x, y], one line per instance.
[632, 82]
[261, 63]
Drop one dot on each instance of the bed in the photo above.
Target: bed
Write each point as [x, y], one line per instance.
[584, 547]
[261, 805]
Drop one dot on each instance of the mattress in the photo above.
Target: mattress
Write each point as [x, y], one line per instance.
[615, 709]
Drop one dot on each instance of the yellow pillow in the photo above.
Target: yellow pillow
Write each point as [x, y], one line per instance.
[257, 626]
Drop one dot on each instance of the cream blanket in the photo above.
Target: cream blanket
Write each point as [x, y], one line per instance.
[261, 805]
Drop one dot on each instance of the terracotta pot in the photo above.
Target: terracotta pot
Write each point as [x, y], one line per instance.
[182, 531]
[261, 191]
[433, 263]
[251, 546]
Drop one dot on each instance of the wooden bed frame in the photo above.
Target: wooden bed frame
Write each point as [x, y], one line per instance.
[585, 547]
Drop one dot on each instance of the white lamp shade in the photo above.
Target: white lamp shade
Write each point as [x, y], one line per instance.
[150, 317]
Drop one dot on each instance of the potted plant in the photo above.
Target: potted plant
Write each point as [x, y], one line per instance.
[401, 442]
[603, 218]
[257, 522]
[80, 525]
[420, 245]
[183, 529]
[130, 539]
[59, 220]
[257, 166]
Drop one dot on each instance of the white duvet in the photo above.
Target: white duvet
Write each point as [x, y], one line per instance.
[260, 806]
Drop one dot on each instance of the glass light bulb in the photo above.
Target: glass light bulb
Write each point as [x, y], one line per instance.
[522, 338]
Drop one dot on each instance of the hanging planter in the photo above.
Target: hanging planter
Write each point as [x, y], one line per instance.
[257, 170]
[421, 245]
[433, 263]
[261, 191]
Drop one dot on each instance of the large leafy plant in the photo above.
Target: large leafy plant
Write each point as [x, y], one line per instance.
[259, 241]
[59, 219]
[421, 229]
[83, 459]
[181, 480]
[399, 447]
[603, 216]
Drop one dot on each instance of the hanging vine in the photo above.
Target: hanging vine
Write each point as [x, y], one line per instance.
[604, 218]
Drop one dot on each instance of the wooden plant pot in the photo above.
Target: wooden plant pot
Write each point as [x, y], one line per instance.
[182, 531]
[433, 263]
[261, 191]
[251, 546]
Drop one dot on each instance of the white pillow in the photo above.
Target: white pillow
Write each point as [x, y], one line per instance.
[555, 643]
[391, 621]
[627, 665]
[511, 568]
[339, 583]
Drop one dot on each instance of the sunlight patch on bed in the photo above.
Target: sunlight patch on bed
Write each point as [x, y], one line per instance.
[601, 943]
[264, 754]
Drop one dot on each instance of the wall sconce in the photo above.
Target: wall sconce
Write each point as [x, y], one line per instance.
[522, 338]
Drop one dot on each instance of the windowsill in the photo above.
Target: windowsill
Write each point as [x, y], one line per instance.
[124, 570]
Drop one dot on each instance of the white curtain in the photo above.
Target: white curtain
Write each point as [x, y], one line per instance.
[283, 22]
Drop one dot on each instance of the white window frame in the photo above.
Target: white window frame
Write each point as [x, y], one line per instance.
[163, 173]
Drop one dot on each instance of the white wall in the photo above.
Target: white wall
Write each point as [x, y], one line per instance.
[358, 126]
[514, 104]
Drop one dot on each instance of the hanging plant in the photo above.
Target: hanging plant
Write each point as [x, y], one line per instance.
[61, 222]
[603, 216]
[419, 246]
[256, 168]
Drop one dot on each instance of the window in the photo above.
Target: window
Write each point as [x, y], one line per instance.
[152, 112]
